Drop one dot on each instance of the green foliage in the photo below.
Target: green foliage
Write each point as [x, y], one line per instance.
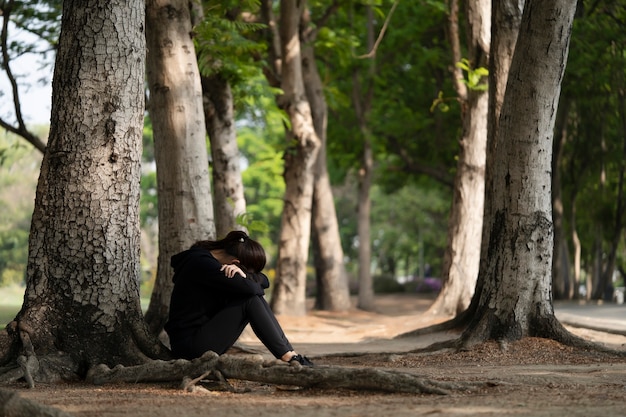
[148, 201]
[254, 226]
[261, 148]
[18, 177]
[476, 77]
[411, 69]
[38, 17]
[593, 153]
[223, 43]
[408, 226]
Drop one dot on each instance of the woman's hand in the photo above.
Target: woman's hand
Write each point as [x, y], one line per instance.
[230, 270]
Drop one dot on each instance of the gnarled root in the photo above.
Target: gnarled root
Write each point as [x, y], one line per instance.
[254, 368]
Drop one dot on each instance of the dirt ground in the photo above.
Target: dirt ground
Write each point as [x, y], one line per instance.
[533, 377]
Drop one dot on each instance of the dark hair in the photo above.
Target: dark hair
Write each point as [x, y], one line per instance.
[250, 253]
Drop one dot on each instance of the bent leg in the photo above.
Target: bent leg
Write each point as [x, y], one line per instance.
[222, 331]
[266, 327]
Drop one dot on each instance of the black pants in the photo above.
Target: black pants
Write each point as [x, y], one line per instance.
[223, 330]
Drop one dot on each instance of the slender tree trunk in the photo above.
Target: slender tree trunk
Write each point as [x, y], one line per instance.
[513, 298]
[229, 200]
[604, 288]
[362, 101]
[462, 256]
[577, 248]
[183, 186]
[333, 292]
[594, 276]
[366, 283]
[561, 285]
[289, 295]
[82, 297]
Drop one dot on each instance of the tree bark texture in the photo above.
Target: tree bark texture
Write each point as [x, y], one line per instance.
[333, 292]
[462, 255]
[506, 16]
[176, 111]
[82, 295]
[289, 295]
[229, 201]
[514, 297]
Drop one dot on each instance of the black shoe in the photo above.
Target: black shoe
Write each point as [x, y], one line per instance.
[302, 360]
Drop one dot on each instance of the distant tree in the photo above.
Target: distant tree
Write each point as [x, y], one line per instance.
[226, 61]
[592, 164]
[176, 111]
[300, 153]
[332, 290]
[462, 256]
[362, 98]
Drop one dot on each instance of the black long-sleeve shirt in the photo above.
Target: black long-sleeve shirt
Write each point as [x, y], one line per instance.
[201, 290]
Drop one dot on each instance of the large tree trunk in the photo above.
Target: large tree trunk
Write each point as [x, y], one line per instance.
[462, 256]
[514, 298]
[229, 200]
[81, 304]
[184, 190]
[289, 295]
[333, 292]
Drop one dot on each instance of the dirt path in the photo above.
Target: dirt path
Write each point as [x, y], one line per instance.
[533, 377]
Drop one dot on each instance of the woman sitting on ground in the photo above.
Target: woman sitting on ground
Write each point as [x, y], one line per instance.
[218, 290]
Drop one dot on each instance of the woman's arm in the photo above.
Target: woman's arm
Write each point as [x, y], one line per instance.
[208, 272]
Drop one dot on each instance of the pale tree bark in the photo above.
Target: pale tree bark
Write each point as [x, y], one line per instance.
[462, 255]
[333, 292]
[228, 191]
[81, 305]
[513, 297]
[362, 96]
[506, 17]
[183, 185]
[577, 250]
[289, 294]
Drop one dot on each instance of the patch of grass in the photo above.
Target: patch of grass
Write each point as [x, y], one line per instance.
[7, 314]
[11, 299]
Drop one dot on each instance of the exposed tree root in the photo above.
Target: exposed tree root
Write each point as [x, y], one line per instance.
[47, 369]
[547, 328]
[553, 329]
[254, 368]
